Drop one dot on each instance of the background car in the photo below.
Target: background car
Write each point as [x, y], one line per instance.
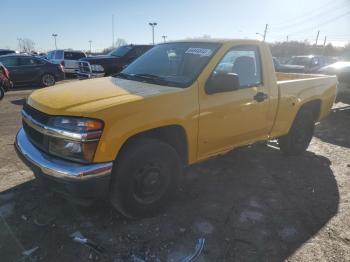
[285, 68]
[5, 83]
[112, 63]
[6, 52]
[67, 58]
[311, 63]
[26, 69]
[342, 71]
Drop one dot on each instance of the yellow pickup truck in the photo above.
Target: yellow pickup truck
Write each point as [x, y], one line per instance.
[128, 137]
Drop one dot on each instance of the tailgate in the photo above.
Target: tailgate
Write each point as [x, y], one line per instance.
[71, 64]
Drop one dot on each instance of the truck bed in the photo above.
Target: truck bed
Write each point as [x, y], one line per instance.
[282, 77]
[295, 89]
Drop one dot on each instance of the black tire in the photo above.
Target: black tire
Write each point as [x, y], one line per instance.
[47, 80]
[2, 93]
[300, 134]
[145, 176]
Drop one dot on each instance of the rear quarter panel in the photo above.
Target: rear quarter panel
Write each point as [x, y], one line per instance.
[295, 93]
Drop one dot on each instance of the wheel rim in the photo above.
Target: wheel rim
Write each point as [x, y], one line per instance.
[149, 184]
[48, 80]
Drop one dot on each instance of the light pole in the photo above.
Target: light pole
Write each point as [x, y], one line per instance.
[90, 41]
[265, 32]
[19, 44]
[164, 38]
[55, 36]
[152, 25]
[260, 35]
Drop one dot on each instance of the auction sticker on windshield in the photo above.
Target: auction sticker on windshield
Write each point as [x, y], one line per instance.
[199, 51]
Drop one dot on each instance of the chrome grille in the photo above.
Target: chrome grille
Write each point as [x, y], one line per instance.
[84, 67]
[37, 138]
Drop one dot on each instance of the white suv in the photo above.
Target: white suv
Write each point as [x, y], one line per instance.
[67, 58]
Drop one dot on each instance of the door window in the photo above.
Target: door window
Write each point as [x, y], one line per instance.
[51, 55]
[30, 61]
[9, 61]
[58, 55]
[73, 55]
[243, 61]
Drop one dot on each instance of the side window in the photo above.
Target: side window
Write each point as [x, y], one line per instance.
[135, 52]
[27, 61]
[314, 61]
[73, 55]
[38, 61]
[51, 55]
[58, 55]
[9, 61]
[243, 61]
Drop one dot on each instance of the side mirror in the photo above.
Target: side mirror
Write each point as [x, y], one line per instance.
[220, 82]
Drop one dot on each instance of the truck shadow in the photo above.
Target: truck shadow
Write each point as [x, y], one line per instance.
[252, 204]
[336, 130]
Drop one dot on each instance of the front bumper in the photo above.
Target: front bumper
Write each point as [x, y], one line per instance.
[65, 177]
[82, 76]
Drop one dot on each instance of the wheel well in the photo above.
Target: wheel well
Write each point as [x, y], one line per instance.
[173, 135]
[313, 106]
[47, 73]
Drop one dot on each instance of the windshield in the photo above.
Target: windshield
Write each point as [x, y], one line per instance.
[301, 60]
[172, 64]
[120, 51]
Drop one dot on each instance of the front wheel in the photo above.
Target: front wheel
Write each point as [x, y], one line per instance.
[47, 80]
[299, 137]
[144, 178]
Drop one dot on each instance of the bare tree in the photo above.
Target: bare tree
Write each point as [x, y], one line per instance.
[27, 45]
[120, 42]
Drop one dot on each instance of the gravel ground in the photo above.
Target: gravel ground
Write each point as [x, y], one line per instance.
[252, 204]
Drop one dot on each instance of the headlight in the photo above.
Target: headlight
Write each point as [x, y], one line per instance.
[76, 138]
[97, 68]
[76, 124]
[73, 150]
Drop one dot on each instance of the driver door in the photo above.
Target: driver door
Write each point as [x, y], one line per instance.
[232, 118]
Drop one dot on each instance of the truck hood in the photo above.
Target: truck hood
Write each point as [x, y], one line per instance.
[81, 98]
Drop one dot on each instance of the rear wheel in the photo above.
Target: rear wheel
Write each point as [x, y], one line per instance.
[145, 176]
[299, 137]
[47, 80]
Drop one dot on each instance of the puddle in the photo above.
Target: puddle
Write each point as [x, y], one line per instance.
[250, 216]
[205, 227]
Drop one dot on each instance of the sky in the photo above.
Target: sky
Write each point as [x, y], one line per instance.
[78, 21]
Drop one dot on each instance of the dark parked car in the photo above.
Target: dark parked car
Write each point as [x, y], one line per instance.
[342, 71]
[311, 63]
[112, 63]
[6, 52]
[5, 83]
[285, 68]
[26, 69]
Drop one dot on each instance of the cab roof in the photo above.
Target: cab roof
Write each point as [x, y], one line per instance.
[216, 40]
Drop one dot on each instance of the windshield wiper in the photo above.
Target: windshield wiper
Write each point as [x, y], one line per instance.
[123, 75]
[148, 76]
[153, 78]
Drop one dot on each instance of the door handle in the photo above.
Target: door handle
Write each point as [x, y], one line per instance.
[260, 97]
